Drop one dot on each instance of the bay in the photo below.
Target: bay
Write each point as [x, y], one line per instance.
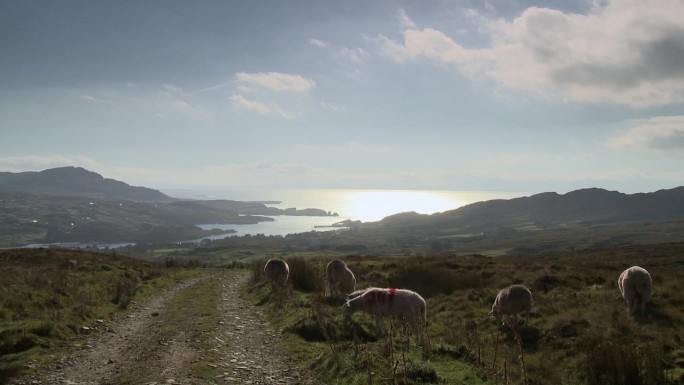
[363, 205]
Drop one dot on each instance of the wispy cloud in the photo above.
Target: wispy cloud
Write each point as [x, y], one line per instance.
[172, 88]
[242, 103]
[665, 133]
[355, 55]
[624, 52]
[276, 81]
[332, 106]
[318, 43]
[404, 20]
[212, 88]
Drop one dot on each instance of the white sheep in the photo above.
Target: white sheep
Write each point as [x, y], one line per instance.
[340, 278]
[511, 301]
[276, 271]
[636, 287]
[405, 304]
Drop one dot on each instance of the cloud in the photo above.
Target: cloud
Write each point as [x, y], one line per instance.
[276, 81]
[318, 43]
[172, 88]
[332, 106]
[212, 88]
[427, 43]
[622, 51]
[664, 133]
[404, 20]
[357, 55]
[242, 103]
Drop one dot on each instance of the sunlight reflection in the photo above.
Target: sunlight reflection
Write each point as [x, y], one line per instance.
[369, 206]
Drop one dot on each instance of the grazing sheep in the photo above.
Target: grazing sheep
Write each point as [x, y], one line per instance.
[405, 304]
[511, 301]
[340, 278]
[276, 271]
[636, 287]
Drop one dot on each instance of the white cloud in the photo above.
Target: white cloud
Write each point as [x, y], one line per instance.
[242, 103]
[627, 52]
[659, 133]
[276, 81]
[356, 55]
[353, 54]
[404, 20]
[318, 43]
[428, 43]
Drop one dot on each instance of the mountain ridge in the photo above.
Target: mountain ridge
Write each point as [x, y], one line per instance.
[588, 207]
[78, 182]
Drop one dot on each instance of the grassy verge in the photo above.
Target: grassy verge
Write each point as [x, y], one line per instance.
[48, 297]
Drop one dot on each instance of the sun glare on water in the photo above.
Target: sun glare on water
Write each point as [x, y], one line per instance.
[370, 206]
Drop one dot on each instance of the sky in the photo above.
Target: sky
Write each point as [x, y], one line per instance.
[498, 95]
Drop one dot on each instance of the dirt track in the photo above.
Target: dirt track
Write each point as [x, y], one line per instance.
[241, 349]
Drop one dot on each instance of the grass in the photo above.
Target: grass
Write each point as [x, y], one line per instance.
[47, 297]
[579, 333]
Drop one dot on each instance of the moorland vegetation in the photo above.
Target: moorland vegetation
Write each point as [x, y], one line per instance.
[580, 331]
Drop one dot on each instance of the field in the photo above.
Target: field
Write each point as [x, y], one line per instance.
[579, 333]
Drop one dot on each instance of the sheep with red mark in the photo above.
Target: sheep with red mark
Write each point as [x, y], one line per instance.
[636, 287]
[511, 301]
[340, 278]
[404, 304]
[276, 271]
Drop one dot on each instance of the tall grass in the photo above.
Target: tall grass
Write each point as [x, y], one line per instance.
[623, 363]
[578, 333]
[48, 295]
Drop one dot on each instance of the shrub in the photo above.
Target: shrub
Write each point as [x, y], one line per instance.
[125, 290]
[611, 362]
[257, 271]
[304, 275]
[431, 281]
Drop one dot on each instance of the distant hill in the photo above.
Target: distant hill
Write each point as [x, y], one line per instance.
[588, 218]
[71, 204]
[587, 207]
[77, 182]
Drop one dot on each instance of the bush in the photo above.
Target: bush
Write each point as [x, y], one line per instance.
[431, 281]
[304, 275]
[615, 363]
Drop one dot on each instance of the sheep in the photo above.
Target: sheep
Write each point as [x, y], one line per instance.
[405, 304]
[276, 271]
[511, 301]
[340, 278]
[636, 287]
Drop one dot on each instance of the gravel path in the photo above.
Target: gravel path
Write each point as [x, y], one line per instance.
[242, 348]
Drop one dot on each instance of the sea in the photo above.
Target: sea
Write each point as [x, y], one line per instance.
[349, 204]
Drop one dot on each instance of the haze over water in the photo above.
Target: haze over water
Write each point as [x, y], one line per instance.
[356, 204]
